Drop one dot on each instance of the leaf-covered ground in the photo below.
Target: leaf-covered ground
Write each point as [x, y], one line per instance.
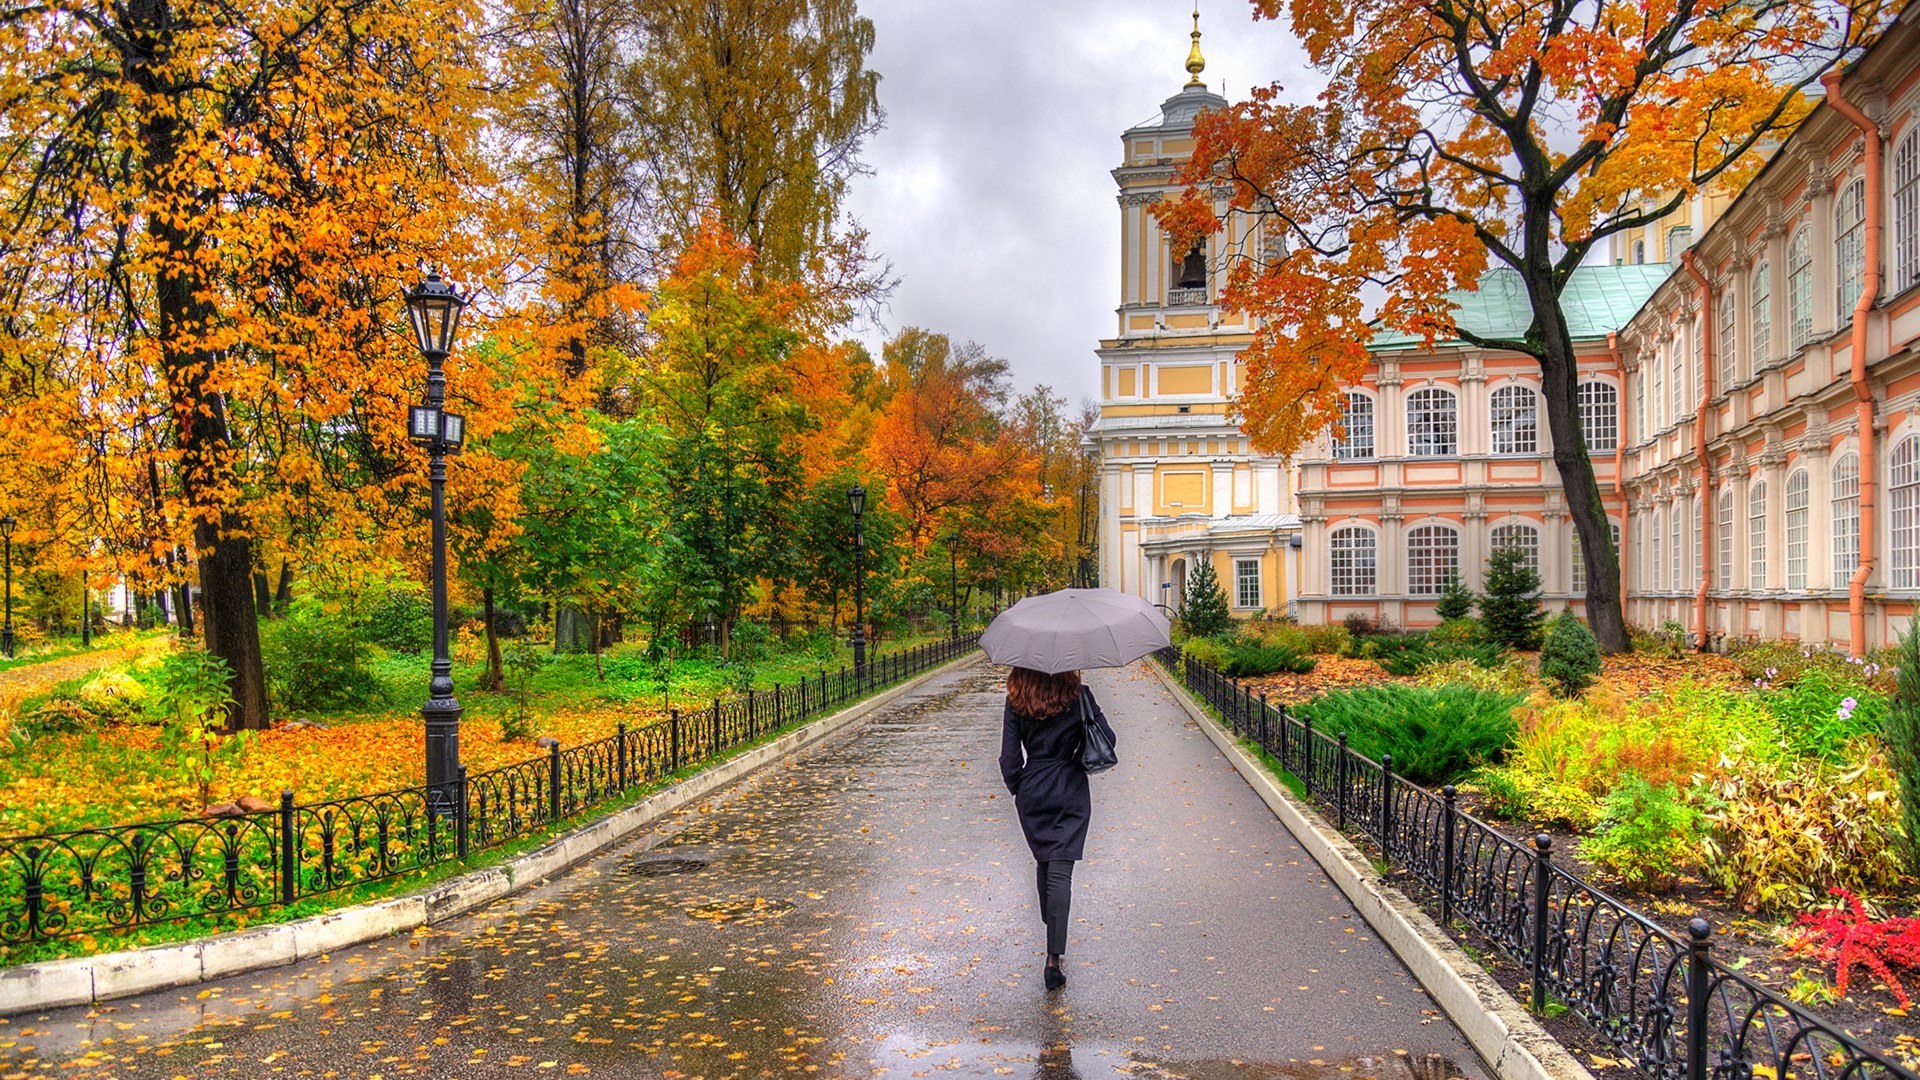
[865, 911]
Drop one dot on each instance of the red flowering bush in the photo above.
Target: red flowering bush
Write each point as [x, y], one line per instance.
[1848, 936]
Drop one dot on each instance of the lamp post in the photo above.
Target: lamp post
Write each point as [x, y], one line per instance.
[952, 540]
[434, 308]
[857, 502]
[86, 612]
[6, 632]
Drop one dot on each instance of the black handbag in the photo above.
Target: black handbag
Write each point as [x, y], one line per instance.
[1096, 750]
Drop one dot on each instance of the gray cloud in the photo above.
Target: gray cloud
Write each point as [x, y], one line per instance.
[991, 193]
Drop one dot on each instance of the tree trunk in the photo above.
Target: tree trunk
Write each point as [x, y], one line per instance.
[572, 631]
[183, 602]
[1559, 385]
[183, 314]
[262, 594]
[283, 592]
[496, 679]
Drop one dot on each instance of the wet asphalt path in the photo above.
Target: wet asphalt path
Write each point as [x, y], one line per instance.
[865, 910]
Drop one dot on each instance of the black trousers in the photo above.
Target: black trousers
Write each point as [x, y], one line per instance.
[1055, 880]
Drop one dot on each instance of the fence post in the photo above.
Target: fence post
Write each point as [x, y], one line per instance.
[777, 720]
[1341, 784]
[1448, 811]
[620, 753]
[460, 813]
[289, 866]
[1280, 751]
[1306, 755]
[753, 712]
[675, 714]
[1263, 723]
[1700, 933]
[1542, 862]
[553, 782]
[713, 747]
[1386, 806]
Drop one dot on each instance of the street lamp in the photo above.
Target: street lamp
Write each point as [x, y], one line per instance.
[952, 540]
[6, 632]
[434, 308]
[857, 502]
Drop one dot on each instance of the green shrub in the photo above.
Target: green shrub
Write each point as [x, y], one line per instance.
[1206, 611]
[1410, 661]
[1775, 664]
[1455, 631]
[1456, 601]
[191, 692]
[748, 645]
[1647, 833]
[1211, 651]
[1902, 735]
[1375, 646]
[1509, 676]
[1329, 639]
[401, 619]
[1436, 735]
[1782, 833]
[1248, 659]
[1510, 611]
[522, 660]
[1819, 716]
[315, 660]
[1570, 657]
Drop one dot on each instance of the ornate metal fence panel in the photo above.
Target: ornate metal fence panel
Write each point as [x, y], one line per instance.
[1660, 999]
[102, 880]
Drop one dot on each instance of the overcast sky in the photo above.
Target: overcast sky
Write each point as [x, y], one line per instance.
[991, 192]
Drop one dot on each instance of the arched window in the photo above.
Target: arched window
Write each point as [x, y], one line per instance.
[1683, 511]
[1727, 339]
[1639, 252]
[1906, 211]
[1516, 421]
[1579, 583]
[1599, 416]
[1356, 419]
[1849, 248]
[1433, 559]
[1760, 302]
[1757, 535]
[1658, 364]
[1903, 502]
[1522, 538]
[1640, 405]
[1432, 423]
[1658, 566]
[1845, 493]
[1698, 331]
[1352, 552]
[1797, 529]
[1677, 385]
[1724, 578]
[1799, 289]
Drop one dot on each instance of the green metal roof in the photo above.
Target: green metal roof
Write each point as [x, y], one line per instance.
[1598, 301]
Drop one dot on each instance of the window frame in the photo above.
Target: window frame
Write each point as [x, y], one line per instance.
[1655, 560]
[1728, 341]
[1756, 535]
[1240, 580]
[1844, 494]
[1423, 412]
[1849, 249]
[1723, 543]
[1577, 579]
[1800, 288]
[1905, 219]
[1361, 546]
[1347, 448]
[1596, 399]
[1521, 534]
[1800, 484]
[1516, 407]
[1760, 309]
[1432, 579]
[1903, 514]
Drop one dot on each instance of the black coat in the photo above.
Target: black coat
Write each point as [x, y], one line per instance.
[1040, 761]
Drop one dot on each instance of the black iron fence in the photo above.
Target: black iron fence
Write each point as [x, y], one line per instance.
[101, 880]
[1661, 999]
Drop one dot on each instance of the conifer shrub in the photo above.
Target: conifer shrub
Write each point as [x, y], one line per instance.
[1570, 657]
[1901, 732]
[1206, 611]
[1510, 611]
[1249, 659]
[1456, 601]
[1436, 735]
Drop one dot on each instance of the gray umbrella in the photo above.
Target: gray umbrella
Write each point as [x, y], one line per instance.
[1074, 629]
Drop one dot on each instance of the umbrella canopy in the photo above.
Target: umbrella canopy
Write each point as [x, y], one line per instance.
[1074, 629]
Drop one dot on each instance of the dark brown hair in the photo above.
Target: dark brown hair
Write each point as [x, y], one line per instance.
[1037, 695]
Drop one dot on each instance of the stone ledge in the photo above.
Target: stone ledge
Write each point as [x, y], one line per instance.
[1505, 1035]
[26, 988]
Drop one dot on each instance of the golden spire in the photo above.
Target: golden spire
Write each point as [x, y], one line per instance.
[1195, 62]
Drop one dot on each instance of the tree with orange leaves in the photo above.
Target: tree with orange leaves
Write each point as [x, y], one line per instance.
[1455, 133]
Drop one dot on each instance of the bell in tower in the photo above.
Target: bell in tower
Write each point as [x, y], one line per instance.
[1192, 271]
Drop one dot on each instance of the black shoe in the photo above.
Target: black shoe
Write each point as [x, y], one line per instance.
[1055, 978]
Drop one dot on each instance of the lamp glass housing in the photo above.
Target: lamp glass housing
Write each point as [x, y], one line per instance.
[453, 429]
[423, 423]
[857, 500]
[435, 309]
[6, 527]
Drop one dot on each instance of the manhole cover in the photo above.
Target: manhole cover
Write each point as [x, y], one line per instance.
[661, 867]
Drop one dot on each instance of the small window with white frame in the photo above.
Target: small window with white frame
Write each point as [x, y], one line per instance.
[1433, 559]
[1353, 560]
[1432, 423]
[1516, 420]
[1246, 583]
[1599, 416]
[1356, 421]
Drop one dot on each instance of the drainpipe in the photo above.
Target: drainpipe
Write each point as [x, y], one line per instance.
[1862, 393]
[1709, 355]
[1620, 457]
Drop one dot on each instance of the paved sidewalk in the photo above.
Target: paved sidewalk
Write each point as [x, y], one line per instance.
[864, 910]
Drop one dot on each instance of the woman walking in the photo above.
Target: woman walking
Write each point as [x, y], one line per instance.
[1040, 742]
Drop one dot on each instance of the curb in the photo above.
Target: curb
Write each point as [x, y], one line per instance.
[90, 979]
[1504, 1034]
